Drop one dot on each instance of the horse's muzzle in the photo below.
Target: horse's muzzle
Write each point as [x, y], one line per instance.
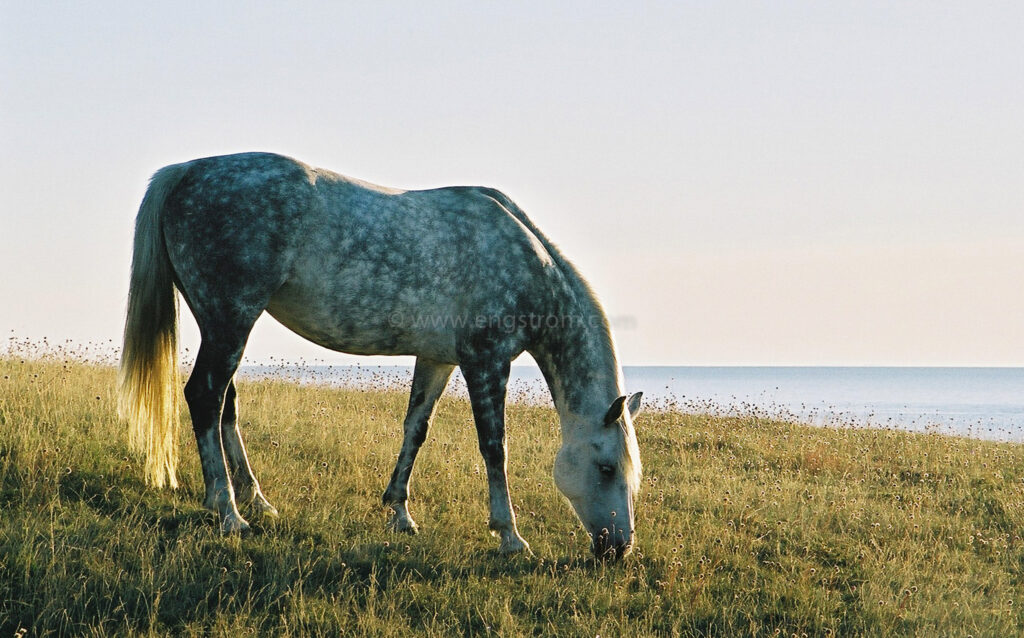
[613, 545]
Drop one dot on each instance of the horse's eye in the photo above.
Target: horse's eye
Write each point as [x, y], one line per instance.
[606, 470]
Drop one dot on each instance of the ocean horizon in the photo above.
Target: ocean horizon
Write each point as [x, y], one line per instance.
[980, 402]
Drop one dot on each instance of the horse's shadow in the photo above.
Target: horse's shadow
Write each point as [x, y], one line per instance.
[172, 519]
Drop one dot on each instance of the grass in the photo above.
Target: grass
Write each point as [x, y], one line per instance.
[747, 526]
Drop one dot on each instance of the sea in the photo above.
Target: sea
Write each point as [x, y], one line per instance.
[983, 403]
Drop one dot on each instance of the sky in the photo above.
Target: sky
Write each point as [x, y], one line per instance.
[743, 183]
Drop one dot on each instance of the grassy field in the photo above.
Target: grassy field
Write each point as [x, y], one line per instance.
[746, 526]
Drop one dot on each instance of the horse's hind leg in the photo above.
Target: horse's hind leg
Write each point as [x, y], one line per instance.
[428, 382]
[216, 363]
[247, 488]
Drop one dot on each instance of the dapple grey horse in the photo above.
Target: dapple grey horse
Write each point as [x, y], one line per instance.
[454, 276]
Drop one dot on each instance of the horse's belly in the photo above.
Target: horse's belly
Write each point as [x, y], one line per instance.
[364, 330]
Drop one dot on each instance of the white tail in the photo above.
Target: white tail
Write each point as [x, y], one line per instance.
[148, 379]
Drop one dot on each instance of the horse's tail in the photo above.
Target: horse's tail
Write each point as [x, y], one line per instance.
[148, 379]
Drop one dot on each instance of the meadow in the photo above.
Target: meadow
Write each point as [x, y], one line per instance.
[746, 526]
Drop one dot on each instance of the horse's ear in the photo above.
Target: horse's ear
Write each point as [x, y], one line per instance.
[615, 412]
[634, 404]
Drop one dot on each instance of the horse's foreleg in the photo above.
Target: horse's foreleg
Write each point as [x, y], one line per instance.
[205, 394]
[247, 488]
[428, 382]
[487, 384]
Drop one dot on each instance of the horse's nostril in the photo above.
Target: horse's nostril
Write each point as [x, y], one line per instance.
[611, 551]
[609, 547]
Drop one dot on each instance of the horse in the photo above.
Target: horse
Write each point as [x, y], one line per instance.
[455, 276]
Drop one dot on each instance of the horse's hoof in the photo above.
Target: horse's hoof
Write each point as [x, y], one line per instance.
[514, 545]
[234, 524]
[269, 512]
[265, 509]
[403, 524]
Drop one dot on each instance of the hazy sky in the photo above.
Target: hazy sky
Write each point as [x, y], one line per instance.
[742, 182]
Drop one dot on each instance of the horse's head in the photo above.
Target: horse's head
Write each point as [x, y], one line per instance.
[598, 470]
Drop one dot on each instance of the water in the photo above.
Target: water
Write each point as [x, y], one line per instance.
[979, 402]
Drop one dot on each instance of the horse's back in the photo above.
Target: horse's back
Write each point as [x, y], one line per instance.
[410, 272]
[353, 266]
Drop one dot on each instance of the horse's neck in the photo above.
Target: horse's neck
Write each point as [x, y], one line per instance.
[582, 372]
